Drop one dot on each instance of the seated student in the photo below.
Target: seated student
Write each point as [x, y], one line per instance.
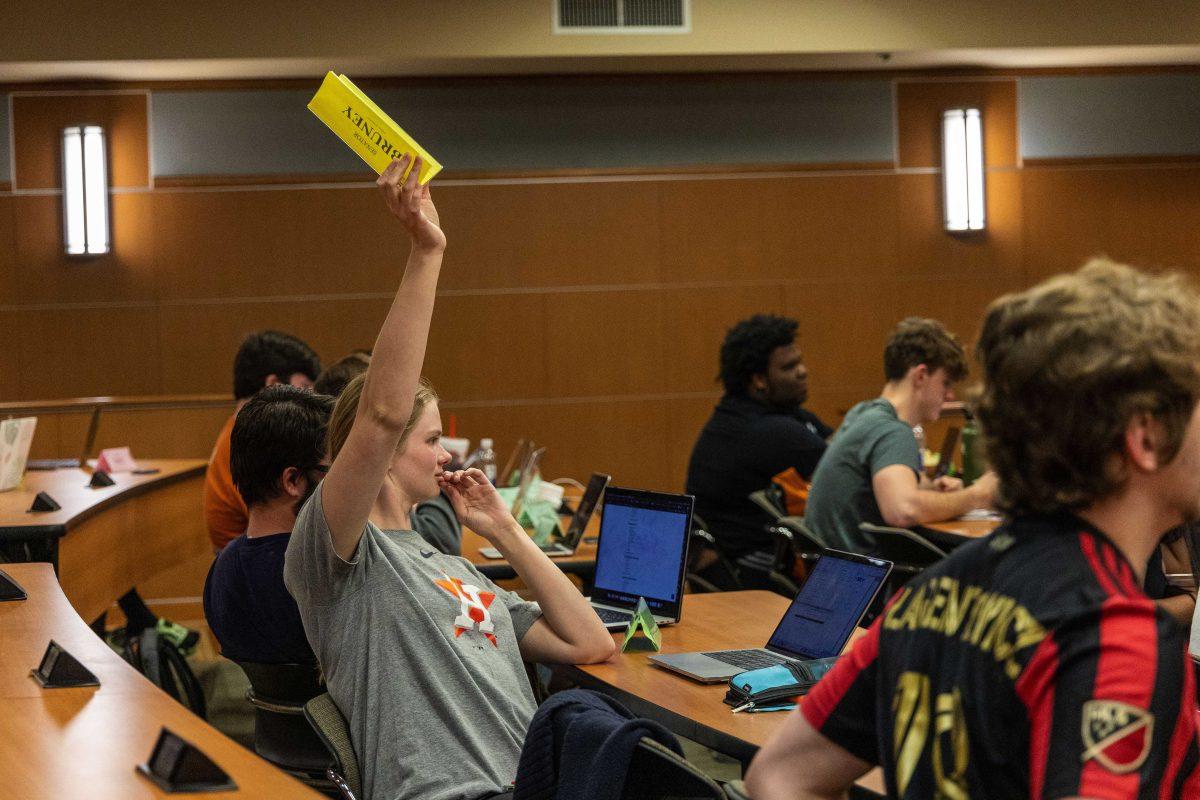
[333, 379]
[872, 471]
[1031, 663]
[422, 653]
[264, 358]
[758, 430]
[277, 456]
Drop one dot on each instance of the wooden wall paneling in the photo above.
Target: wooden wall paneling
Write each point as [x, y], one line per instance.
[1145, 216]
[8, 252]
[282, 242]
[778, 228]
[199, 341]
[843, 329]
[11, 335]
[38, 121]
[46, 438]
[167, 433]
[550, 234]
[927, 250]
[606, 343]
[492, 347]
[695, 321]
[86, 352]
[919, 107]
[47, 275]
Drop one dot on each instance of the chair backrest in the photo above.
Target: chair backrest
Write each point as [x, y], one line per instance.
[764, 501]
[902, 546]
[804, 539]
[284, 683]
[327, 720]
[658, 773]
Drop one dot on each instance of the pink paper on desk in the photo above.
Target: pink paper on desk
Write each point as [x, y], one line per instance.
[116, 459]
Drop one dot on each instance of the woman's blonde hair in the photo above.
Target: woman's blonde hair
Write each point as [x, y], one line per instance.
[346, 409]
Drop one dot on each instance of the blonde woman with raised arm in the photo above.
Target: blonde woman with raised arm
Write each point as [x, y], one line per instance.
[421, 652]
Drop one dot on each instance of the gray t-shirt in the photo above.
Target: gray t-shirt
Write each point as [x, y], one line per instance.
[870, 438]
[420, 653]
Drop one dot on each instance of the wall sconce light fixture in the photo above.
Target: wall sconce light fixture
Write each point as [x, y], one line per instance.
[85, 191]
[962, 169]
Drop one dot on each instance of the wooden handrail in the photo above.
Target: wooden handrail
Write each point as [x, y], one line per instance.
[122, 403]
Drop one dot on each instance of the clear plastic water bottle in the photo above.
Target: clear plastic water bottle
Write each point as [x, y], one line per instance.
[486, 460]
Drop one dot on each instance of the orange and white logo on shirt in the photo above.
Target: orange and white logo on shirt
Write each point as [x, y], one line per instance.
[473, 613]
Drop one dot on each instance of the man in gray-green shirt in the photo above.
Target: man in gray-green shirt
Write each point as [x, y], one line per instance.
[872, 470]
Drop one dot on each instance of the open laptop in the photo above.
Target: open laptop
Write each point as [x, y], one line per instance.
[16, 437]
[511, 474]
[947, 455]
[642, 552]
[579, 521]
[815, 627]
[530, 468]
[583, 515]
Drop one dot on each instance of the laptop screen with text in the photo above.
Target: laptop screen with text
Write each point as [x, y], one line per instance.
[829, 605]
[642, 549]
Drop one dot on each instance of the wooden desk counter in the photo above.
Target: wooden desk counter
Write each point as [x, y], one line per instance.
[60, 743]
[719, 621]
[960, 528]
[105, 541]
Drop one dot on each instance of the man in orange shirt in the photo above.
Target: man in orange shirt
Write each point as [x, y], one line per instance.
[265, 358]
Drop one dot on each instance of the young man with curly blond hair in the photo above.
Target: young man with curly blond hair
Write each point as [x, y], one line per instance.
[1032, 663]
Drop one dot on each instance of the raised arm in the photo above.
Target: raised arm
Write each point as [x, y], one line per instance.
[358, 472]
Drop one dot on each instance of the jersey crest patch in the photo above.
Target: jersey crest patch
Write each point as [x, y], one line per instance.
[1116, 735]
[473, 605]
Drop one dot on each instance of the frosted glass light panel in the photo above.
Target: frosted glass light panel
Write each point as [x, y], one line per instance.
[962, 169]
[85, 191]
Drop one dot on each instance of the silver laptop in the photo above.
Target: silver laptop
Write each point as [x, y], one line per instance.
[814, 629]
[570, 540]
[642, 552]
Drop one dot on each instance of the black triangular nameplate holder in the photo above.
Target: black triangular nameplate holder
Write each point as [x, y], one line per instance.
[10, 589]
[177, 765]
[44, 502]
[101, 479]
[59, 670]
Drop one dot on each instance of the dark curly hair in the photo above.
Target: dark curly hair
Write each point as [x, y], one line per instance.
[281, 426]
[747, 348]
[265, 353]
[917, 340]
[1067, 364]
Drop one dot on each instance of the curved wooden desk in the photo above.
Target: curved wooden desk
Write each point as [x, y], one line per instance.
[953, 532]
[59, 743]
[105, 541]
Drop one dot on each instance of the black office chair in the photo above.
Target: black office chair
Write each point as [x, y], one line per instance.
[705, 557]
[909, 552]
[334, 732]
[658, 773]
[793, 541]
[282, 735]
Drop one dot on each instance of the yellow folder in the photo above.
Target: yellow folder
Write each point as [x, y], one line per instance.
[365, 128]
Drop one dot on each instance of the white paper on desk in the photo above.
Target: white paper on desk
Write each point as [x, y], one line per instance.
[1194, 645]
[16, 437]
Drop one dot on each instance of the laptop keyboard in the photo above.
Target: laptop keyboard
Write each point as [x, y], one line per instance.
[608, 615]
[746, 659]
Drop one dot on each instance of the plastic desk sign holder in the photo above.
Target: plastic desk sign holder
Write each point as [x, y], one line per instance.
[60, 670]
[10, 589]
[177, 765]
[44, 502]
[100, 480]
[642, 633]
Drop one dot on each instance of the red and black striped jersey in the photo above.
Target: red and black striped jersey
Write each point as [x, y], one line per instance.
[1027, 664]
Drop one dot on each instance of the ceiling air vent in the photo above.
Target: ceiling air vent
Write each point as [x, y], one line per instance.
[622, 16]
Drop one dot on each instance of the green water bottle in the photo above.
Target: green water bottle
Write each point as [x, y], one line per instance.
[971, 466]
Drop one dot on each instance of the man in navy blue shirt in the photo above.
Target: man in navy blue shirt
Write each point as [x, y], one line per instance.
[758, 430]
[277, 458]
